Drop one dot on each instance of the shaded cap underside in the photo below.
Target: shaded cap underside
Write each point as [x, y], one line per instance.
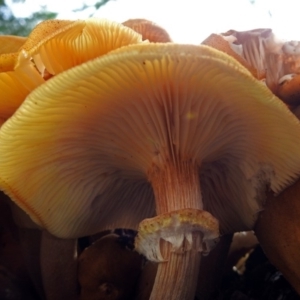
[75, 155]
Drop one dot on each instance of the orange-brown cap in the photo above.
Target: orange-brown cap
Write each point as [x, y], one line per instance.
[75, 156]
[149, 30]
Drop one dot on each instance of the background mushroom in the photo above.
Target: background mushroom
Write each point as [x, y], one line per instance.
[149, 30]
[182, 129]
[109, 269]
[248, 47]
[269, 59]
[278, 231]
[52, 47]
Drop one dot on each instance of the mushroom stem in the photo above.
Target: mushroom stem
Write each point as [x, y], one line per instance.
[177, 186]
[177, 278]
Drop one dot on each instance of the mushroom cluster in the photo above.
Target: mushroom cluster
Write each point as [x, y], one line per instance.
[180, 142]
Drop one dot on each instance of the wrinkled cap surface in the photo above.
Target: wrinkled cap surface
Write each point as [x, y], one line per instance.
[75, 156]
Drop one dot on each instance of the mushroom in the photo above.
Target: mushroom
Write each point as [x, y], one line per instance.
[255, 46]
[53, 47]
[225, 44]
[149, 30]
[18, 74]
[267, 58]
[248, 47]
[278, 232]
[182, 130]
[108, 269]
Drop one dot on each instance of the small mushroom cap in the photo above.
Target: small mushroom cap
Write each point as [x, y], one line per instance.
[75, 42]
[12, 45]
[53, 47]
[44, 30]
[75, 156]
[149, 30]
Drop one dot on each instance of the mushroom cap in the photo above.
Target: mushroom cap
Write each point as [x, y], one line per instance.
[267, 58]
[53, 47]
[103, 269]
[149, 30]
[75, 42]
[75, 155]
[249, 47]
[12, 45]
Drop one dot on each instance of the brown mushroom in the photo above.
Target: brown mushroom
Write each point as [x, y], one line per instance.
[278, 232]
[149, 30]
[274, 61]
[182, 129]
[250, 48]
[108, 269]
